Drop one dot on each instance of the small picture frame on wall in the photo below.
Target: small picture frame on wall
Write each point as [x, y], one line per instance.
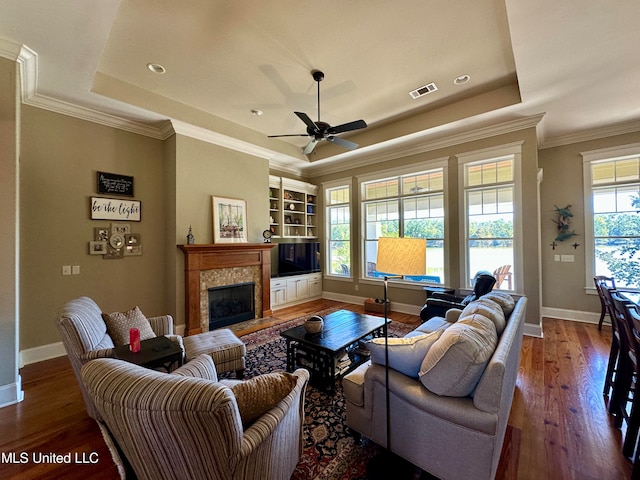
[98, 247]
[120, 228]
[101, 234]
[132, 240]
[113, 253]
[132, 250]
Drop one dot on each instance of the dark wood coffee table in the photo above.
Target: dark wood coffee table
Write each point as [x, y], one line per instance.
[333, 352]
[154, 352]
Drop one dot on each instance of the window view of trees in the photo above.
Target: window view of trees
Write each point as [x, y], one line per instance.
[339, 237]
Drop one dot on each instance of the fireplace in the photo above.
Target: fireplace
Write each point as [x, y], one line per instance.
[231, 304]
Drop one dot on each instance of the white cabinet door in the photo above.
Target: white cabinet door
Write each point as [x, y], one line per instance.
[297, 288]
[278, 293]
[315, 285]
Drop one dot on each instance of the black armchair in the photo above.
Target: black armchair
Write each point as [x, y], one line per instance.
[438, 304]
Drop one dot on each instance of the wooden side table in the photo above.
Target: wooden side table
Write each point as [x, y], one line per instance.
[154, 352]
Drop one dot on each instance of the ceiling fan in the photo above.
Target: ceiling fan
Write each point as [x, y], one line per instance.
[321, 130]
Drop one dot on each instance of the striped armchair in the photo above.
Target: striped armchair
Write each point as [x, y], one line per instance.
[187, 425]
[84, 336]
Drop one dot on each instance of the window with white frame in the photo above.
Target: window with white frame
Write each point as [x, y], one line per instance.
[409, 206]
[490, 200]
[612, 220]
[338, 214]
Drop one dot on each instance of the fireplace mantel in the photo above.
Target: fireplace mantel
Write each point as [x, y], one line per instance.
[202, 257]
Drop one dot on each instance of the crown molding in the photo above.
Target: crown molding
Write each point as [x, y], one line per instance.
[400, 147]
[594, 134]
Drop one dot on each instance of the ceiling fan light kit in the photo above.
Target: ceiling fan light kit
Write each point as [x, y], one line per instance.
[319, 130]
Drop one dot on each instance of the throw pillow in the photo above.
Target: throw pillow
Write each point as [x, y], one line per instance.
[260, 394]
[405, 354]
[454, 364]
[119, 323]
[489, 309]
[505, 300]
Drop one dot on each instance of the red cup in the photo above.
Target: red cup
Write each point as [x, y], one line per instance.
[134, 340]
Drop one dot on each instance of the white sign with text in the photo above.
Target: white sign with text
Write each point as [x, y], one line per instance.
[115, 209]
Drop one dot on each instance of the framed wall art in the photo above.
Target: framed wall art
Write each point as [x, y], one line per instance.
[115, 209]
[229, 220]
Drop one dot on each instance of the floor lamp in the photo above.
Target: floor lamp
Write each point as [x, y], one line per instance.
[399, 257]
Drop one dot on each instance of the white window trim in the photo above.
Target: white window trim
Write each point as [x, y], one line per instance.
[510, 150]
[380, 175]
[347, 181]
[612, 153]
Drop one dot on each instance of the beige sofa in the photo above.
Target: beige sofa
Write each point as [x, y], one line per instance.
[451, 437]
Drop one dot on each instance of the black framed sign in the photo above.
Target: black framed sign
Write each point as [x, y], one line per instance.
[114, 184]
[115, 209]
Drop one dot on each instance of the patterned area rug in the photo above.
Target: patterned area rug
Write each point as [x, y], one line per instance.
[330, 452]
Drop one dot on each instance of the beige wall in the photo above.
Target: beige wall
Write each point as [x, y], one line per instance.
[9, 111]
[60, 157]
[563, 283]
[202, 170]
[530, 232]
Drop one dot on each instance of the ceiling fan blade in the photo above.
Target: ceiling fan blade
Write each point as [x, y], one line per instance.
[310, 146]
[343, 143]
[291, 135]
[310, 123]
[347, 127]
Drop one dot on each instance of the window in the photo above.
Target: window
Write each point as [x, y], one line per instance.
[489, 190]
[339, 230]
[612, 223]
[409, 205]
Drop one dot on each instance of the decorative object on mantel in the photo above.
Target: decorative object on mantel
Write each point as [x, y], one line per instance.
[563, 223]
[191, 240]
[229, 220]
[267, 234]
[115, 241]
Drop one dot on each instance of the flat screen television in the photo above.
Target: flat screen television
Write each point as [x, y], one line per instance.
[298, 258]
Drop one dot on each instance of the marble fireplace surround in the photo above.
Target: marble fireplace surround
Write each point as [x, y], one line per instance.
[215, 265]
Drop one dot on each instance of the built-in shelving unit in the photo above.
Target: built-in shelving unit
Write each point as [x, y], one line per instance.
[292, 208]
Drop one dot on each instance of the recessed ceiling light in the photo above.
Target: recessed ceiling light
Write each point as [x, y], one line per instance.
[156, 68]
[256, 112]
[462, 79]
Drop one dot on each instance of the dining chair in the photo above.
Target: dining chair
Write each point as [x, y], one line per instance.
[625, 399]
[602, 282]
[614, 353]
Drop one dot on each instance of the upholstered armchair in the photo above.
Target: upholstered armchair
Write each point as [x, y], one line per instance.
[188, 425]
[438, 304]
[84, 336]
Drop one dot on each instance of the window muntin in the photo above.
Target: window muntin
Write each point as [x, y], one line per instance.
[339, 230]
[407, 206]
[489, 192]
[615, 201]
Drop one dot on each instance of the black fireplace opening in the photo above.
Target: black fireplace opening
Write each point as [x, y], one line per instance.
[231, 304]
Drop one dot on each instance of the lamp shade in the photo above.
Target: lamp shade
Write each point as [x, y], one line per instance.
[402, 256]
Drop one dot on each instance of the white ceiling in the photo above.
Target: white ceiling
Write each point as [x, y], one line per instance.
[575, 62]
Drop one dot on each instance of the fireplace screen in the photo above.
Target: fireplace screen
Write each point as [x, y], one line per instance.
[231, 304]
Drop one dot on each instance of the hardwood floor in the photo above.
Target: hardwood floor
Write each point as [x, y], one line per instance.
[558, 428]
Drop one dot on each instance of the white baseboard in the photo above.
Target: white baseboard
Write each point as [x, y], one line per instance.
[12, 393]
[575, 315]
[43, 352]
[395, 306]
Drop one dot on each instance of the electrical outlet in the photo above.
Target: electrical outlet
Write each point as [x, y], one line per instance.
[66, 270]
[356, 286]
[75, 270]
[567, 258]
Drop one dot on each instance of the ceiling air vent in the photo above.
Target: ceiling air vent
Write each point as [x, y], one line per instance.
[419, 92]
